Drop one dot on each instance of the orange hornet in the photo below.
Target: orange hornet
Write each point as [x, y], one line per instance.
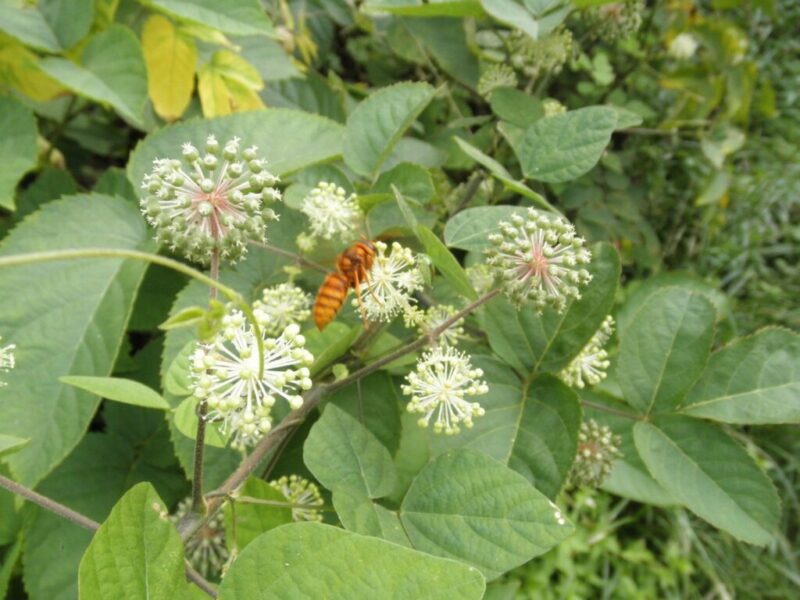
[352, 269]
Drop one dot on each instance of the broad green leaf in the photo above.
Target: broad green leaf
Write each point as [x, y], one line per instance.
[469, 229]
[469, 507]
[90, 481]
[444, 260]
[412, 181]
[70, 20]
[515, 106]
[447, 43]
[754, 380]
[188, 317]
[711, 474]
[83, 307]
[565, 146]
[664, 349]
[9, 562]
[112, 71]
[343, 454]
[117, 389]
[28, 25]
[176, 380]
[17, 147]
[10, 443]
[185, 419]
[330, 344]
[236, 17]
[437, 8]
[514, 14]
[136, 552]
[305, 140]
[548, 342]
[378, 122]
[171, 60]
[253, 519]
[502, 175]
[311, 560]
[361, 515]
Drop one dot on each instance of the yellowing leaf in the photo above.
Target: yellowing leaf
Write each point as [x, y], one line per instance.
[19, 69]
[170, 59]
[235, 68]
[242, 98]
[214, 95]
[228, 84]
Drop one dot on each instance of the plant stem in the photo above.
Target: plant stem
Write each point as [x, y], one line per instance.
[609, 410]
[300, 259]
[198, 503]
[15, 260]
[87, 523]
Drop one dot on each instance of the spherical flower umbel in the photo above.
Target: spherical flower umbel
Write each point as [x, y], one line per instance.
[6, 359]
[436, 316]
[392, 280]
[303, 495]
[206, 551]
[539, 258]
[496, 76]
[683, 46]
[210, 201]
[225, 374]
[597, 449]
[283, 304]
[332, 212]
[443, 377]
[589, 367]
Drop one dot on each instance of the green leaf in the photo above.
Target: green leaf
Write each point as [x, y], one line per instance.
[711, 474]
[311, 560]
[548, 342]
[565, 146]
[17, 147]
[112, 71]
[502, 175]
[469, 507]
[664, 349]
[444, 260]
[236, 17]
[343, 454]
[136, 550]
[305, 139]
[412, 8]
[187, 317]
[447, 43]
[254, 519]
[511, 13]
[515, 106]
[28, 25]
[82, 306]
[70, 20]
[330, 344]
[9, 562]
[184, 419]
[361, 515]
[412, 181]
[378, 123]
[10, 443]
[469, 229]
[754, 380]
[126, 391]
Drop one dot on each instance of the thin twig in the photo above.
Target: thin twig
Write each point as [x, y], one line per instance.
[300, 259]
[87, 523]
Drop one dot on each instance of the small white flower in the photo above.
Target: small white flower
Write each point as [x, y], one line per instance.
[392, 279]
[683, 46]
[539, 258]
[6, 359]
[481, 277]
[589, 367]
[206, 551]
[210, 201]
[303, 494]
[436, 316]
[331, 212]
[598, 447]
[283, 305]
[443, 377]
[226, 375]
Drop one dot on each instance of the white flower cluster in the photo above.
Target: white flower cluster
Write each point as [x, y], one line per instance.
[392, 280]
[443, 377]
[207, 551]
[539, 258]
[589, 367]
[6, 359]
[434, 317]
[283, 304]
[598, 447]
[210, 201]
[332, 212]
[303, 495]
[240, 390]
[683, 46]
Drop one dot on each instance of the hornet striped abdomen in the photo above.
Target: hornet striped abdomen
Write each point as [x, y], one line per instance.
[352, 270]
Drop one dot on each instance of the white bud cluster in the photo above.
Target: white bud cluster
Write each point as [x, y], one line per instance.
[283, 304]
[332, 212]
[496, 76]
[589, 367]
[240, 390]
[392, 280]
[683, 46]
[436, 316]
[443, 377]
[210, 201]
[206, 551]
[7, 361]
[597, 449]
[539, 258]
[303, 495]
